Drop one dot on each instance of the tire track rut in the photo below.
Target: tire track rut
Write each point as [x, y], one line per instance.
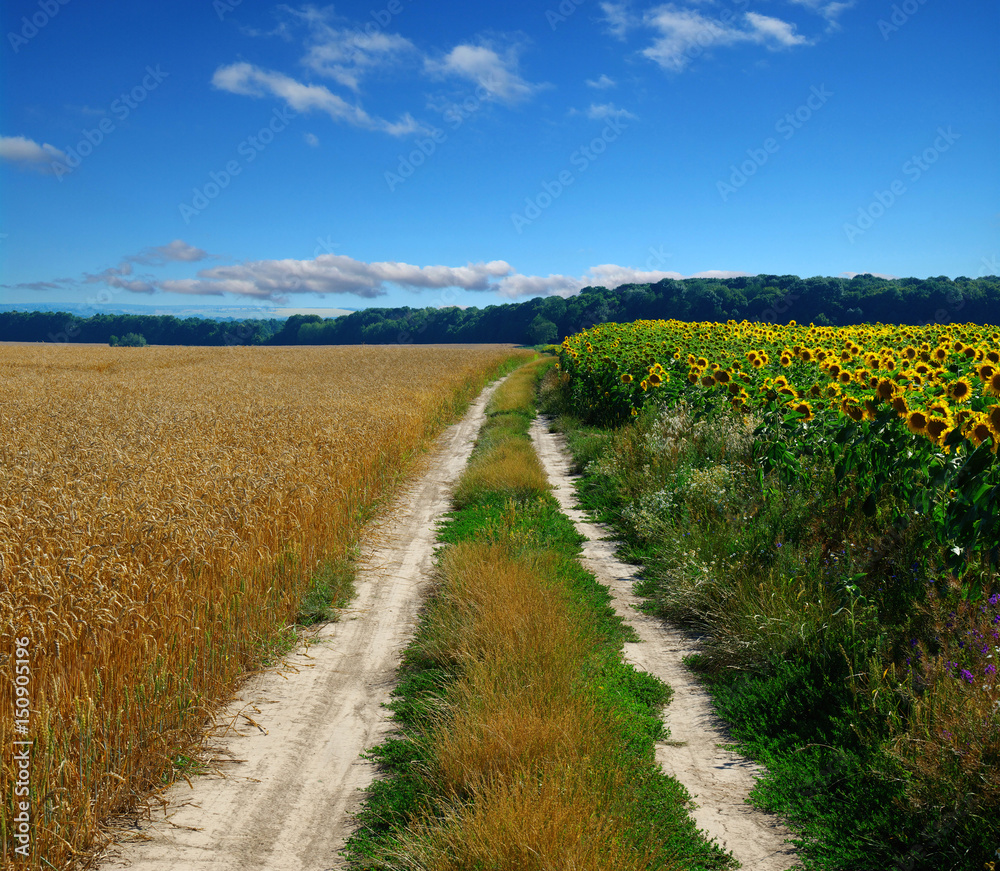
[718, 779]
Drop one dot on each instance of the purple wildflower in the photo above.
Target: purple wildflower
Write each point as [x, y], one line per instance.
[991, 669]
[966, 675]
[995, 599]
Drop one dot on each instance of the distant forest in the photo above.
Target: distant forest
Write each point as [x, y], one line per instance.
[768, 298]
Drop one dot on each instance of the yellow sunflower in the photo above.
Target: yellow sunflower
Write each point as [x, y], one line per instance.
[899, 405]
[886, 388]
[960, 390]
[937, 429]
[993, 416]
[916, 421]
[979, 432]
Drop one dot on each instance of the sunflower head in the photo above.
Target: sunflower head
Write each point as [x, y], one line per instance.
[916, 421]
[899, 405]
[886, 388]
[627, 378]
[992, 386]
[960, 390]
[937, 428]
[979, 432]
[993, 416]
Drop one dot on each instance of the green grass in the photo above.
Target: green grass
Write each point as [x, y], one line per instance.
[330, 588]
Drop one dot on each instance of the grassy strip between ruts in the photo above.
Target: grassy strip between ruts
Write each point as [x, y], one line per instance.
[524, 740]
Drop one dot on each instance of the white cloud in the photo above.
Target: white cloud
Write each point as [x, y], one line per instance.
[604, 275]
[312, 139]
[334, 273]
[876, 274]
[774, 29]
[603, 111]
[121, 276]
[514, 286]
[611, 275]
[346, 55]
[177, 251]
[29, 154]
[831, 11]
[685, 32]
[602, 83]
[618, 18]
[483, 65]
[248, 80]
[118, 277]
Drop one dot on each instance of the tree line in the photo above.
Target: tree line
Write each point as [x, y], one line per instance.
[768, 298]
[128, 329]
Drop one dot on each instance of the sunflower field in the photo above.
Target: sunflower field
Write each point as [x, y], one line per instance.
[822, 506]
[906, 411]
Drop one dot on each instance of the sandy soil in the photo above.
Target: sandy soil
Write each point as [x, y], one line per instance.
[718, 779]
[288, 773]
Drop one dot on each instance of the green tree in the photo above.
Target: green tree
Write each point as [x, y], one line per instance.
[542, 331]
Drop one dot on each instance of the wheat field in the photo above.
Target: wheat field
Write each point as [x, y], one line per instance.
[162, 511]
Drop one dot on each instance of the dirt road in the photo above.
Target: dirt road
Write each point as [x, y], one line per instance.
[718, 779]
[289, 772]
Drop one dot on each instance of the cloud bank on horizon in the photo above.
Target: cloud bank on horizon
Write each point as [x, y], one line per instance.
[275, 281]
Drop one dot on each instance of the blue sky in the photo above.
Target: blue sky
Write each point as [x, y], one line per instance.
[391, 152]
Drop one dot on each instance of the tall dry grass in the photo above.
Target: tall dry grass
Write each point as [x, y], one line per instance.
[161, 513]
[532, 762]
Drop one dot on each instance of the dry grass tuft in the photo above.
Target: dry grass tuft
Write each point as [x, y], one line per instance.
[510, 469]
[557, 821]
